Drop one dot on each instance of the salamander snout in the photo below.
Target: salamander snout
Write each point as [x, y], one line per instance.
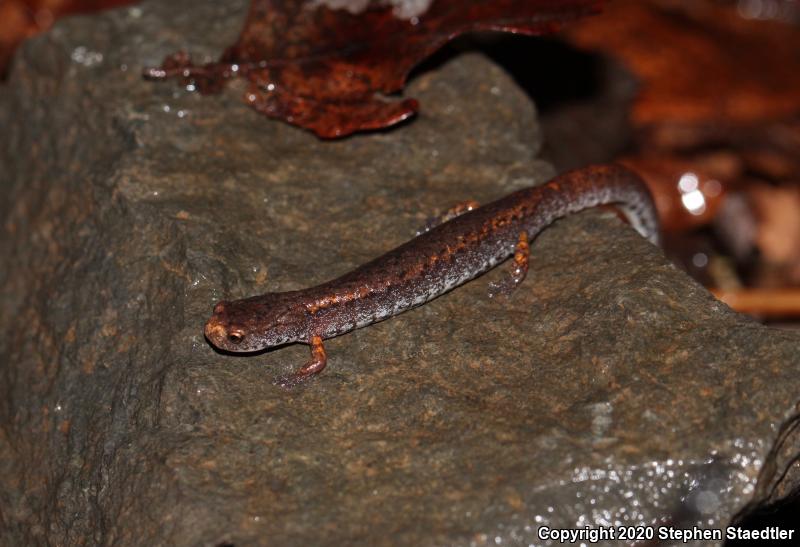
[257, 323]
[222, 334]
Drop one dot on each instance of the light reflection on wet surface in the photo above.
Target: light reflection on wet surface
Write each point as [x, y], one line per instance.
[691, 196]
[672, 492]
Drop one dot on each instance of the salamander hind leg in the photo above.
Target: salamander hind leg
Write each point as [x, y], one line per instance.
[315, 365]
[519, 269]
[456, 210]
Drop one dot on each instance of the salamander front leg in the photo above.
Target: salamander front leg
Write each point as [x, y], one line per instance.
[519, 269]
[314, 365]
[456, 210]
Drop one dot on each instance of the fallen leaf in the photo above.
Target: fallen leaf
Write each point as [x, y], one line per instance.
[329, 70]
[706, 68]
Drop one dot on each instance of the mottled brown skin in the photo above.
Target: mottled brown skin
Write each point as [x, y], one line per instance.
[427, 266]
[456, 210]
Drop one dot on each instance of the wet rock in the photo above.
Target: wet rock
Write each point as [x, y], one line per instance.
[610, 389]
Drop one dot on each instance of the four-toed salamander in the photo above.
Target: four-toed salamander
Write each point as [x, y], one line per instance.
[427, 266]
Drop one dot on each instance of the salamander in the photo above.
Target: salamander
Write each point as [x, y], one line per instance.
[441, 258]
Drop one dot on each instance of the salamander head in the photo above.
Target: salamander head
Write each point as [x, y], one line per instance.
[257, 323]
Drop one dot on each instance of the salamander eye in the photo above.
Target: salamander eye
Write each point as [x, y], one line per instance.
[235, 336]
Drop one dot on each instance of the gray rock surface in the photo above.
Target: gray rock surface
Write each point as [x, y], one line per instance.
[610, 389]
